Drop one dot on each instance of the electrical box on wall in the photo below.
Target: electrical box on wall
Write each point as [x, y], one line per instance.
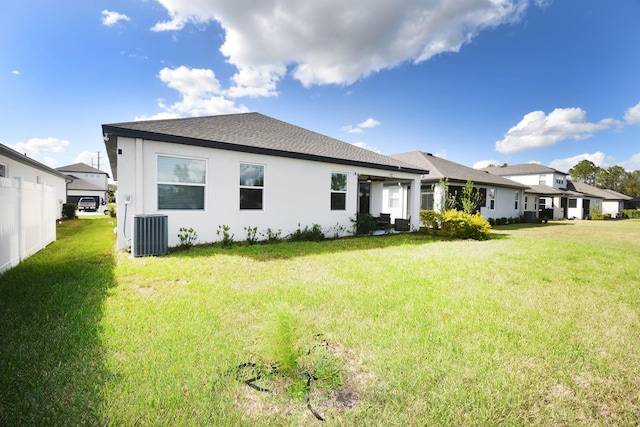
[127, 199]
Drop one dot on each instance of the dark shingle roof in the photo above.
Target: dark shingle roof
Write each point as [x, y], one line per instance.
[80, 167]
[522, 169]
[252, 132]
[80, 184]
[587, 189]
[441, 168]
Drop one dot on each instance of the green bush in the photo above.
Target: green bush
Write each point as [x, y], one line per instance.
[69, 211]
[364, 223]
[461, 225]
[431, 219]
[630, 213]
[313, 234]
[600, 216]
[112, 210]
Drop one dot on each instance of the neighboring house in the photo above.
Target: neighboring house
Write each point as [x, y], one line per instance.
[612, 202]
[87, 181]
[500, 197]
[557, 198]
[246, 170]
[31, 198]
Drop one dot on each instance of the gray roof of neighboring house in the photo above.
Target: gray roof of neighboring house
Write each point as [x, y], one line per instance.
[522, 169]
[605, 194]
[547, 190]
[440, 168]
[254, 133]
[80, 167]
[23, 158]
[80, 184]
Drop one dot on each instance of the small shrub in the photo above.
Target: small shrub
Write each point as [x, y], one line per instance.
[339, 230]
[630, 213]
[252, 235]
[272, 236]
[431, 219]
[69, 211]
[364, 223]
[313, 234]
[112, 210]
[600, 216]
[492, 221]
[226, 238]
[461, 225]
[188, 237]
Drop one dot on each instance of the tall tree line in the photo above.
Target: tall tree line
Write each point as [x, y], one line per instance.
[614, 178]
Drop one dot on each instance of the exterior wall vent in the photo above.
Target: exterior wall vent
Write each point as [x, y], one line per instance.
[150, 235]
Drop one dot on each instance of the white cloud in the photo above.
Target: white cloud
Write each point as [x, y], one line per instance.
[366, 147]
[200, 94]
[485, 163]
[336, 41]
[633, 164]
[37, 148]
[538, 130]
[598, 158]
[367, 124]
[15, 72]
[632, 115]
[110, 18]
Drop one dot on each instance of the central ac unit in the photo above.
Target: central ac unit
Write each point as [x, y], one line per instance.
[150, 235]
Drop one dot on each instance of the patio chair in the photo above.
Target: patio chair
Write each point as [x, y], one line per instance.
[384, 220]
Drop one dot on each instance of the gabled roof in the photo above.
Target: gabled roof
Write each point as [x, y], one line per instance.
[521, 169]
[80, 167]
[80, 184]
[253, 133]
[23, 158]
[595, 191]
[440, 168]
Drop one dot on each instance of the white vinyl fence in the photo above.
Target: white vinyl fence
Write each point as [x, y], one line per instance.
[28, 214]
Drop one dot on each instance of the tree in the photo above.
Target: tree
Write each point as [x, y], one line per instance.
[585, 171]
[611, 178]
[631, 184]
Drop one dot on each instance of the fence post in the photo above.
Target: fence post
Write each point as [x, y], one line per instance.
[19, 217]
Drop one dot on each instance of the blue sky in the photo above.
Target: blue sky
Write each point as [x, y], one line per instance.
[474, 81]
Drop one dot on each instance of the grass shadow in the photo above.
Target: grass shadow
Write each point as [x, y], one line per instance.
[51, 357]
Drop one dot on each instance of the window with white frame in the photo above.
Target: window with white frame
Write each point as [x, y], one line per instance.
[338, 191]
[492, 198]
[394, 197]
[251, 186]
[181, 183]
[3, 170]
[542, 180]
[516, 201]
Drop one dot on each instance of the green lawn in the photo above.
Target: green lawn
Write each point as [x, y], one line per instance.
[540, 325]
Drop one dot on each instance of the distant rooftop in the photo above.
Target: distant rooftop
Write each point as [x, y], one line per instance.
[521, 169]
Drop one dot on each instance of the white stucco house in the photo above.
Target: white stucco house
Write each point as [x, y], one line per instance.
[558, 198]
[31, 198]
[611, 202]
[86, 181]
[500, 197]
[247, 170]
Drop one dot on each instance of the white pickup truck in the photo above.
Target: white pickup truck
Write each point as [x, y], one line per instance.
[87, 204]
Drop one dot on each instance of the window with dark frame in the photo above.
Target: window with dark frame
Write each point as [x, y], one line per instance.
[338, 191]
[181, 183]
[573, 203]
[3, 170]
[251, 186]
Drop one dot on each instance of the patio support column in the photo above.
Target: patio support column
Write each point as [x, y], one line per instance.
[414, 203]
